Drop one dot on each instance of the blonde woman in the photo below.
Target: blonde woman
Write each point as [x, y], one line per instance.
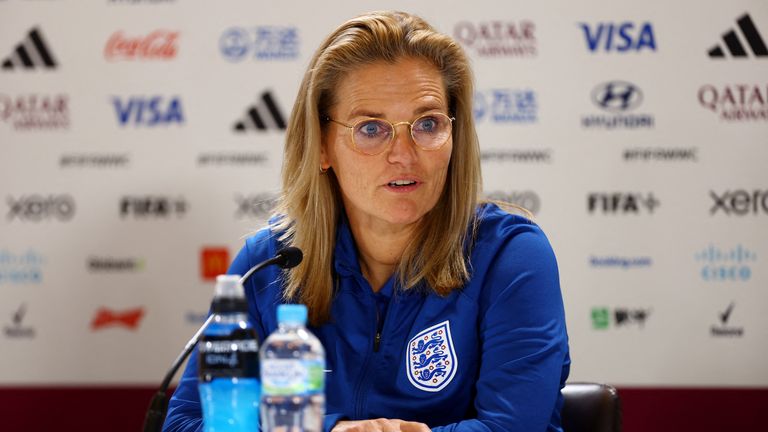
[437, 311]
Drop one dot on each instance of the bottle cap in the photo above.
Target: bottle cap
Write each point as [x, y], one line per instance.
[229, 286]
[292, 313]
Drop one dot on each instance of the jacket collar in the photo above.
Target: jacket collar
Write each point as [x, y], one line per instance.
[345, 254]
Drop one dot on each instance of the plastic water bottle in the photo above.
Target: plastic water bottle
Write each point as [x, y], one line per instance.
[229, 364]
[292, 375]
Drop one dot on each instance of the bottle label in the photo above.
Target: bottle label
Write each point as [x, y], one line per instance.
[280, 377]
[315, 376]
[228, 359]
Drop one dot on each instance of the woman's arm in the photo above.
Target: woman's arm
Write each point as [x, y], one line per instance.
[524, 360]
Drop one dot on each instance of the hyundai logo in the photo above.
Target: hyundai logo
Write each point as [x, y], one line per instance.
[617, 96]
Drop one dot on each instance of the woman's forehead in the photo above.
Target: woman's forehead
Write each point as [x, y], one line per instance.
[413, 84]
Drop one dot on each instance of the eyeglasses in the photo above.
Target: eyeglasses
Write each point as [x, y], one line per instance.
[373, 136]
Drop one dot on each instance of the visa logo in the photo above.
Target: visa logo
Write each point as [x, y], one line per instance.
[620, 37]
[148, 111]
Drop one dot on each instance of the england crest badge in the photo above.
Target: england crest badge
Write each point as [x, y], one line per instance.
[431, 361]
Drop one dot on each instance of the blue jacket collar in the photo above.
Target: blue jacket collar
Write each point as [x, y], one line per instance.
[345, 254]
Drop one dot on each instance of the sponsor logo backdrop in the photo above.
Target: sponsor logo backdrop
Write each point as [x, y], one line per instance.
[140, 141]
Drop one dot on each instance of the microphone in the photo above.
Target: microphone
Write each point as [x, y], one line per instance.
[285, 258]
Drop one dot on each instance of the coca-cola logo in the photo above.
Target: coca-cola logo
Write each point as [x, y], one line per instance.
[158, 45]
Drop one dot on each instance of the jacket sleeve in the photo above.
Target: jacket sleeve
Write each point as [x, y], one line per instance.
[524, 359]
[184, 411]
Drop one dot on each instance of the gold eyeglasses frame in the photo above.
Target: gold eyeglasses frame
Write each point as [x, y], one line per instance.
[394, 131]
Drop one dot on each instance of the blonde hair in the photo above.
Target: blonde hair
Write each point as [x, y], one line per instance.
[310, 205]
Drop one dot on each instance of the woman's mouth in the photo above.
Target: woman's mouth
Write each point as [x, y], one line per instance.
[401, 183]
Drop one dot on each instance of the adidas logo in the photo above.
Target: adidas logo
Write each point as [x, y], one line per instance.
[734, 44]
[30, 53]
[262, 116]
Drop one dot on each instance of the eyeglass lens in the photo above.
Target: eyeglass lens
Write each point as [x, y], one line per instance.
[428, 132]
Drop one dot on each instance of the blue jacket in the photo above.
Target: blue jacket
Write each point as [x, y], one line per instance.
[491, 356]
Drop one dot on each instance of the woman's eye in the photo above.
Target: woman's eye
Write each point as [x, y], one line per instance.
[428, 124]
[371, 129]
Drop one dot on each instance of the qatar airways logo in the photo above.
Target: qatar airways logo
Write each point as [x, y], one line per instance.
[35, 111]
[737, 102]
[498, 38]
[158, 45]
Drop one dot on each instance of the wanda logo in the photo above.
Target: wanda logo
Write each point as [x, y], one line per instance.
[158, 45]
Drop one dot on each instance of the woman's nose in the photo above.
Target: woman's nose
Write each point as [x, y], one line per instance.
[403, 149]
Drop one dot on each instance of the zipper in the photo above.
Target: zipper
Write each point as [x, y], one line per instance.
[362, 383]
[379, 326]
[377, 342]
[360, 390]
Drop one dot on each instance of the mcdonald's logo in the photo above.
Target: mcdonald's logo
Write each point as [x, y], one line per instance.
[213, 262]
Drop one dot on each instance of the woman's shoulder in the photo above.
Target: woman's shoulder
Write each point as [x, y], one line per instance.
[511, 241]
[259, 246]
[513, 259]
[495, 222]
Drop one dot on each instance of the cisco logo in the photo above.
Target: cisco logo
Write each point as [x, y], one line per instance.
[21, 269]
[726, 265]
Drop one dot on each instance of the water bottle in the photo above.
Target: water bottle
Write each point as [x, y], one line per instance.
[229, 364]
[292, 375]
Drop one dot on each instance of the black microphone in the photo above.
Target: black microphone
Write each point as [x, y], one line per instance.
[285, 258]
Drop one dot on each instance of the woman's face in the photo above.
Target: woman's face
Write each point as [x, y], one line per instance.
[401, 184]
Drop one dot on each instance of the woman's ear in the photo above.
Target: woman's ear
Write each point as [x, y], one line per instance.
[325, 161]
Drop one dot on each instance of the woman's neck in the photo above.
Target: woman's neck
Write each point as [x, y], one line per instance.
[380, 247]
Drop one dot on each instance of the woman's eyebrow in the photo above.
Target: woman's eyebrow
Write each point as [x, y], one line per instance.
[416, 112]
[365, 113]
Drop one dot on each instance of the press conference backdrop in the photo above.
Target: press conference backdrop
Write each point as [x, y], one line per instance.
[141, 141]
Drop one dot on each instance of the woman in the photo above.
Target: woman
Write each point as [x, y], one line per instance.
[435, 311]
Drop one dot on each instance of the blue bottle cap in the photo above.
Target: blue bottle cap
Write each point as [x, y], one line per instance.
[292, 313]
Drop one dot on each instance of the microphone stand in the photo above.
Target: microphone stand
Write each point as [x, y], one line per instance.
[153, 422]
